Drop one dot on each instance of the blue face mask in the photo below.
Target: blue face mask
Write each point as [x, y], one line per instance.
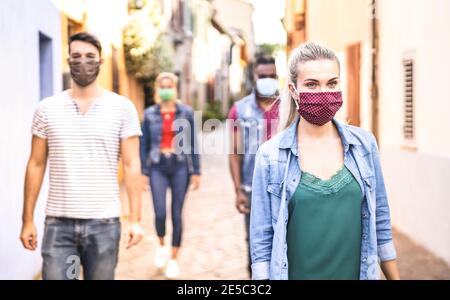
[267, 87]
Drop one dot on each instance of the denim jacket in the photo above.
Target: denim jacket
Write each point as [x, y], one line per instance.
[185, 132]
[250, 118]
[275, 179]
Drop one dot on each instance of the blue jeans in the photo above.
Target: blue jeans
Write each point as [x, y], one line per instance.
[169, 172]
[247, 232]
[71, 243]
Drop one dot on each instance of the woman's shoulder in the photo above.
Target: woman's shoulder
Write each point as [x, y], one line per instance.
[150, 109]
[358, 135]
[270, 148]
[185, 107]
[358, 131]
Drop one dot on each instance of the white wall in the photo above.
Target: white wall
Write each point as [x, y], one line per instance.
[417, 180]
[20, 23]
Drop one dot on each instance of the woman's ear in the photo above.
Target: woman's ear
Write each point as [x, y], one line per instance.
[293, 91]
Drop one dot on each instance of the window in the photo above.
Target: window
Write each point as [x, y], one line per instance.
[45, 66]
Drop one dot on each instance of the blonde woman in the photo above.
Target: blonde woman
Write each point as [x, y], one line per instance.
[319, 205]
[169, 164]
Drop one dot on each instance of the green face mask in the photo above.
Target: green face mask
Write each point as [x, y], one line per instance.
[166, 94]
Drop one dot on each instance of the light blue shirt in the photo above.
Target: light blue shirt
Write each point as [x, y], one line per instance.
[275, 179]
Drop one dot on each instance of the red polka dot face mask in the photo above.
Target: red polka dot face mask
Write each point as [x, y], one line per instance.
[318, 108]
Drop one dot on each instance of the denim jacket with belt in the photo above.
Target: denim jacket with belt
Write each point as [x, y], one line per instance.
[185, 138]
[275, 179]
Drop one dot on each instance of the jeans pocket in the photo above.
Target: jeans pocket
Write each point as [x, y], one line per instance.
[49, 220]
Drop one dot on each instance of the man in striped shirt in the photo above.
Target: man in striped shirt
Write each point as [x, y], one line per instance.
[83, 132]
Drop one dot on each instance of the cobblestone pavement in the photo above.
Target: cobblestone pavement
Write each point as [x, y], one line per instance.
[415, 262]
[213, 245]
[214, 237]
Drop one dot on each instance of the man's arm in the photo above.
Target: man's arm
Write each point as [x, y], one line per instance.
[132, 176]
[33, 181]
[235, 161]
[235, 170]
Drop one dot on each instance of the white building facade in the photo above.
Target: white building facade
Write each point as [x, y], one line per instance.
[30, 60]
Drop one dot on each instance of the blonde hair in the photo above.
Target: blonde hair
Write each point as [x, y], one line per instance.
[161, 77]
[303, 53]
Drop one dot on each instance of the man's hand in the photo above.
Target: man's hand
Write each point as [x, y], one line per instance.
[33, 181]
[145, 183]
[133, 183]
[195, 182]
[242, 202]
[28, 236]
[134, 235]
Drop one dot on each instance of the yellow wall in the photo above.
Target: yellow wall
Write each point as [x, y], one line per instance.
[294, 9]
[338, 23]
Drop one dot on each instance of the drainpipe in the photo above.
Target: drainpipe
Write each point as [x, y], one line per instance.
[375, 50]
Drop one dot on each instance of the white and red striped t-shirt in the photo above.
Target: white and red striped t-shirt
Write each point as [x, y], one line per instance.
[83, 153]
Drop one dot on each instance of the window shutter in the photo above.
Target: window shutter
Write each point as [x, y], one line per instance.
[408, 121]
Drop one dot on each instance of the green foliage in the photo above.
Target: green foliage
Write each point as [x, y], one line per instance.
[213, 111]
[137, 4]
[268, 49]
[147, 53]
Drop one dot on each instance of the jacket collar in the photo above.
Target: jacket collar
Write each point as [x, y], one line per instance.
[177, 108]
[289, 136]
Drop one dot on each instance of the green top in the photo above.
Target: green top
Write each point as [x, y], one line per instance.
[324, 229]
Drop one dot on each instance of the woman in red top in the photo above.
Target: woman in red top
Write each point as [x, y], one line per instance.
[166, 165]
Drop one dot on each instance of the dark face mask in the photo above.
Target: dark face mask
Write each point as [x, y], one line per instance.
[84, 71]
